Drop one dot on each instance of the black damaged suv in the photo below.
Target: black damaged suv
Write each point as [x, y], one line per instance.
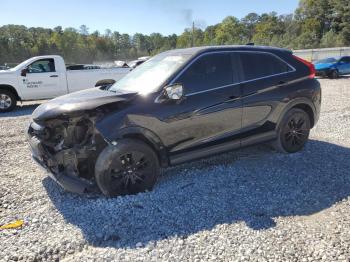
[178, 106]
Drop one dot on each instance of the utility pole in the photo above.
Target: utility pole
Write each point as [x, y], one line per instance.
[192, 43]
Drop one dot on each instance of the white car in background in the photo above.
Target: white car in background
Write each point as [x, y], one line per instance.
[45, 77]
[135, 63]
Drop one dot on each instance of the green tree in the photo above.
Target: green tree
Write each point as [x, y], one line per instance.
[315, 23]
[229, 31]
[268, 28]
[341, 20]
[249, 23]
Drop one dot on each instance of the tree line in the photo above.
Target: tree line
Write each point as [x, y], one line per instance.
[314, 24]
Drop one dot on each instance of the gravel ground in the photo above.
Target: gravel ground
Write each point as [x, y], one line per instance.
[253, 204]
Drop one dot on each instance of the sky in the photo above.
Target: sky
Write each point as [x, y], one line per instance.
[134, 16]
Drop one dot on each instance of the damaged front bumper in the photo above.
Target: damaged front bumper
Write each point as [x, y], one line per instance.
[323, 72]
[47, 161]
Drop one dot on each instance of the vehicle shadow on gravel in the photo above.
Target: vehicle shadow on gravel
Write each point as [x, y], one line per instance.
[253, 186]
[21, 110]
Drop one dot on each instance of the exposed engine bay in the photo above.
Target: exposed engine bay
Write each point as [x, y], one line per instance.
[65, 139]
[68, 146]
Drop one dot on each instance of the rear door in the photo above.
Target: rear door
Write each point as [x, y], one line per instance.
[211, 110]
[42, 80]
[264, 76]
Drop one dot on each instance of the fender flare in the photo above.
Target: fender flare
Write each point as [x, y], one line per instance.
[147, 136]
[295, 103]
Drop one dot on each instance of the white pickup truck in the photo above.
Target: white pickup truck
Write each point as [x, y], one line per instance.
[45, 77]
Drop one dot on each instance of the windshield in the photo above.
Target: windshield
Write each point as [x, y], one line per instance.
[149, 76]
[19, 66]
[327, 61]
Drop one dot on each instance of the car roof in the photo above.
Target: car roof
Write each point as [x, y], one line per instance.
[46, 56]
[203, 49]
[333, 57]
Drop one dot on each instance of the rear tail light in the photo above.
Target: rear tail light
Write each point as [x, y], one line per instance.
[309, 65]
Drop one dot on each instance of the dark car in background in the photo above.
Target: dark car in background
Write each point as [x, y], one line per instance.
[4, 67]
[333, 67]
[82, 67]
[178, 106]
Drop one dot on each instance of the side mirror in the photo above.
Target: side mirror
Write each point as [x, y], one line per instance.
[174, 92]
[24, 72]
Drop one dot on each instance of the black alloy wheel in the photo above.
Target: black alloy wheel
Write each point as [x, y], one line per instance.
[294, 131]
[129, 167]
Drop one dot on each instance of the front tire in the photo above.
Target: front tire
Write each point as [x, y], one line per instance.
[8, 101]
[129, 167]
[293, 131]
[334, 74]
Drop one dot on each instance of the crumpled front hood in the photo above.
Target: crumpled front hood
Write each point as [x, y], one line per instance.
[323, 66]
[79, 101]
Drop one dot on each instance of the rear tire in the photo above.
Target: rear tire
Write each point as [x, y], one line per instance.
[8, 101]
[293, 131]
[129, 167]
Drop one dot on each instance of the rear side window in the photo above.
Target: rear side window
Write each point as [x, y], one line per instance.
[209, 71]
[258, 65]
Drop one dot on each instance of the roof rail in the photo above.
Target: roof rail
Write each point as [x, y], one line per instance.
[251, 43]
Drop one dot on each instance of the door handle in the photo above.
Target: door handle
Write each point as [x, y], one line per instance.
[280, 83]
[233, 97]
[54, 76]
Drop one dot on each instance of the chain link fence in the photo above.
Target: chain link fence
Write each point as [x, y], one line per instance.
[317, 54]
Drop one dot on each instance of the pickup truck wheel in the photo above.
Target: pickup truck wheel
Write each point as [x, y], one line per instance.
[8, 101]
[293, 131]
[129, 167]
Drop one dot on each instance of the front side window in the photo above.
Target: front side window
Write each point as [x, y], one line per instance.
[345, 60]
[208, 72]
[259, 65]
[42, 66]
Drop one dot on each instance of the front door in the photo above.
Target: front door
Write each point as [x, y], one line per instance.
[211, 111]
[344, 65]
[41, 80]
